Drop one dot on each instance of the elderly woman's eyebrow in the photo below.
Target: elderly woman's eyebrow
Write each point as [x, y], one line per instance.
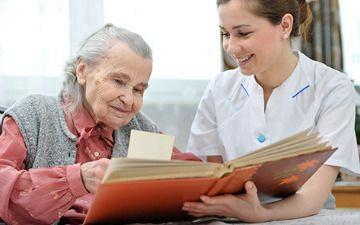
[127, 78]
[144, 85]
[121, 75]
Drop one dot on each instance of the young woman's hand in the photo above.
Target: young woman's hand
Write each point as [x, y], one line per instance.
[92, 173]
[245, 207]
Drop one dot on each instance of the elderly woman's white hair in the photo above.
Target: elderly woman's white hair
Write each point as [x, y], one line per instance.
[94, 48]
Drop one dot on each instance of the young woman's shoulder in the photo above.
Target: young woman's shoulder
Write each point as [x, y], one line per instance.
[322, 71]
[323, 77]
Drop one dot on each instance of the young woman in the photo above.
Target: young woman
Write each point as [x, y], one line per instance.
[275, 92]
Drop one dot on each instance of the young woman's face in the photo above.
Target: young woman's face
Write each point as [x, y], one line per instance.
[114, 88]
[252, 41]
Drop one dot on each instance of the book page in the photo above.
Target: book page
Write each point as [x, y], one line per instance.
[126, 169]
[304, 142]
[141, 166]
[147, 145]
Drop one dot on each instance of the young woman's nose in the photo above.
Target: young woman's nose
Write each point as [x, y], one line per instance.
[232, 46]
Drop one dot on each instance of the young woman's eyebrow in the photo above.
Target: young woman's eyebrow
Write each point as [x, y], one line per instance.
[235, 27]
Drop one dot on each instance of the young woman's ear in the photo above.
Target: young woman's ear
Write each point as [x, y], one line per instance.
[286, 25]
[80, 71]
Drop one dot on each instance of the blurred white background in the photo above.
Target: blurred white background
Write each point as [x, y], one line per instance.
[38, 36]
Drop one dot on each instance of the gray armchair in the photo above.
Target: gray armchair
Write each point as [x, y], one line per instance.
[2, 109]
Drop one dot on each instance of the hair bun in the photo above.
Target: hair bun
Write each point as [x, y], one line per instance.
[304, 10]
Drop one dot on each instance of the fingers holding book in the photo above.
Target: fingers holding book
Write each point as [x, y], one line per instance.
[92, 173]
[244, 207]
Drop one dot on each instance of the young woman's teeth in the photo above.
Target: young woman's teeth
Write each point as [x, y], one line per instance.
[244, 59]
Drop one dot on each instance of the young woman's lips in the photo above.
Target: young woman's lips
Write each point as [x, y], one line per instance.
[244, 60]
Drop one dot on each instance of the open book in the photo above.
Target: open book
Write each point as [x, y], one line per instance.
[140, 190]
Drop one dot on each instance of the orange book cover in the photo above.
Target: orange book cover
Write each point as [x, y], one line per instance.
[161, 200]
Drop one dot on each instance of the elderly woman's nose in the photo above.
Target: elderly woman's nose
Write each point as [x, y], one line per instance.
[127, 97]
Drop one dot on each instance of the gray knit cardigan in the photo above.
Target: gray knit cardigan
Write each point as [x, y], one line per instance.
[48, 139]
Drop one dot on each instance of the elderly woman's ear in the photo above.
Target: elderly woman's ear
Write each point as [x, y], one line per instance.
[80, 71]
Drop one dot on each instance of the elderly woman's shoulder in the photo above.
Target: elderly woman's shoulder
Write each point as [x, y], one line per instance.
[143, 122]
[35, 101]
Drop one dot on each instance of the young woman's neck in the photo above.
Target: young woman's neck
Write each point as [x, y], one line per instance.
[281, 69]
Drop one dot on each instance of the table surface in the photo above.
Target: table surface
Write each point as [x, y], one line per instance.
[325, 217]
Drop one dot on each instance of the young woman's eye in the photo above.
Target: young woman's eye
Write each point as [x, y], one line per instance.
[244, 34]
[225, 34]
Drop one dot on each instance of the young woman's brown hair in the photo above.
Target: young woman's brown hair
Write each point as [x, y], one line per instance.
[274, 10]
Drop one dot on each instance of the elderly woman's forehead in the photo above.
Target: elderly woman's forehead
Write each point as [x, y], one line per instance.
[121, 52]
[119, 46]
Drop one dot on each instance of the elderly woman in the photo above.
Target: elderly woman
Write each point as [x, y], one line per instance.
[54, 151]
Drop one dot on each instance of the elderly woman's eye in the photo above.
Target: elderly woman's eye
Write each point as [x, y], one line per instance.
[120, 82]
[139, 90]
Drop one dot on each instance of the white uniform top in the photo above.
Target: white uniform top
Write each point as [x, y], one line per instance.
[231, 121]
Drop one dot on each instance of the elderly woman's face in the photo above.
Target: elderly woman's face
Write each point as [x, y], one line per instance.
[114, 88]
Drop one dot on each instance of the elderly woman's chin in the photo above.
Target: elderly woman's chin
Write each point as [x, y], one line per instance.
[113, 117]
[115, 121]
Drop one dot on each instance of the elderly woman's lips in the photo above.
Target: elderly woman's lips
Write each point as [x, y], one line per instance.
[120, 110]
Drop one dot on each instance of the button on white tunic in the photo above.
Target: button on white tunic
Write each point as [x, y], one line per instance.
[231, 121]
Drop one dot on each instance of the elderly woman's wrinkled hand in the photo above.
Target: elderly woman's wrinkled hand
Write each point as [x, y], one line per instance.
[93, 172]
